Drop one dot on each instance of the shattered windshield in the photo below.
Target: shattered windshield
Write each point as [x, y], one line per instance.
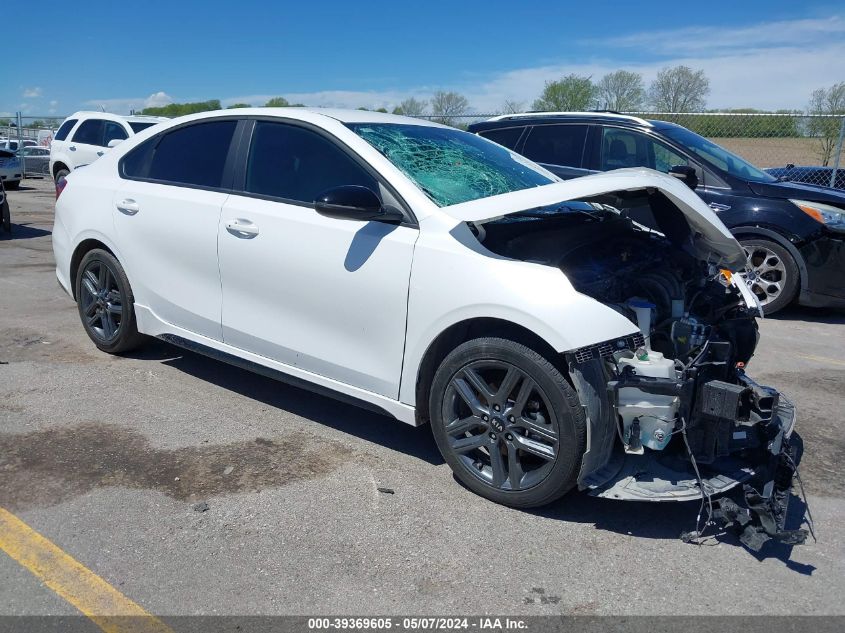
[451, 166]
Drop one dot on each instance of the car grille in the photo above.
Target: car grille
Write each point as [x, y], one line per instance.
[606, 348]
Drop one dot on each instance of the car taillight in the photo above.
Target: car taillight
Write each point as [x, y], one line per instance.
[61, 183]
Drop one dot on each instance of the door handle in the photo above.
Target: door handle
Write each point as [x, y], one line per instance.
[99, 153]
[72, 148]
[244, 229]
[128, 207]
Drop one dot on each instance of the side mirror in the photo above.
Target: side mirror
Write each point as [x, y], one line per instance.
[686, 173]
[353, 202]
[114, 142]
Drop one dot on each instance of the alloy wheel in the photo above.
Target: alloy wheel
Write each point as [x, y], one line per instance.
[766, 274]
[102, 301]
[500, 425]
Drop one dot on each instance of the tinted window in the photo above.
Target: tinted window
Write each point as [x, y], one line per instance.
[717, 156]
[113, 131]
[90, 132]
[297, 164]
[624, 148]
[556, 144]
[137, 126]
[507, 136]
[135, 163]
[65, 129]
[191, 155]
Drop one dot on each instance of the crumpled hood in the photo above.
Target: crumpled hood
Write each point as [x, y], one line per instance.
[714, 242]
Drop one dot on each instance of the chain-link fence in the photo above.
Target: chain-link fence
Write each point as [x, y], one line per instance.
[798, 147]
[29, 137]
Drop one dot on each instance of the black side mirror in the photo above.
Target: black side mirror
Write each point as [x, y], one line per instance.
[353, 202]
[686, 173]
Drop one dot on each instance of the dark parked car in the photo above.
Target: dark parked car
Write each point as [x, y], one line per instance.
[811, 175]
[793, 233]
[36, 160]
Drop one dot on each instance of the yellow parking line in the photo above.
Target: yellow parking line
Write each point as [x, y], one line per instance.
[74, 582]
[822, 359]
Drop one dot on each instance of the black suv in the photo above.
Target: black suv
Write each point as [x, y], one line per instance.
[794, 234]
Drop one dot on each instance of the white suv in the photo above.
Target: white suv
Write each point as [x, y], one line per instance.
[85, 136]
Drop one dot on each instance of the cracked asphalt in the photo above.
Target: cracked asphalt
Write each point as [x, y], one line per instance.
[112, 459]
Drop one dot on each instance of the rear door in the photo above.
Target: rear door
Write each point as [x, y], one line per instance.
[558, 147]
[86, 141]
[166, 215]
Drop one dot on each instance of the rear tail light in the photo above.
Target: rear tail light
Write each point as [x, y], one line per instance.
[61, 183]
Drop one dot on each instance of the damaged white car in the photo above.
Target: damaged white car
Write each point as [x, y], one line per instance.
[586, 333]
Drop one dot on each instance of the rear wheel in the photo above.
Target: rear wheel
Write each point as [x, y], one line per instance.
[5, 217]
[62, 173]
[105, 302]
[773, 274]
[507, 422]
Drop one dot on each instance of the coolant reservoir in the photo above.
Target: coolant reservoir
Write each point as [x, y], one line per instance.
[655, 414]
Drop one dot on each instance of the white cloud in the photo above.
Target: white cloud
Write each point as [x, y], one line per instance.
[31, 93]
[125, 105]
[768, 65]
[54, 103]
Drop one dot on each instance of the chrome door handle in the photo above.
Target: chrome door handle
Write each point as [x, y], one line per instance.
[128, 207]
[242, 228]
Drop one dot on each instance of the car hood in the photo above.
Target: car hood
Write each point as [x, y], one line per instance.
[713, 243]
[799, 190]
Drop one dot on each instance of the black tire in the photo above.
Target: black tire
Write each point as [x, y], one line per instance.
[12, 184]
[775, 278]
[5, 215]
[554, 421]
[105, 303]
[62, 173]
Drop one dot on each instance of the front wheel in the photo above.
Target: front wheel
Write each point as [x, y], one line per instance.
[105, 302]
[507, 422]
[12, 184]
[772, 274]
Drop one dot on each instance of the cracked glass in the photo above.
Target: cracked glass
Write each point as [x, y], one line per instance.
[451, 166]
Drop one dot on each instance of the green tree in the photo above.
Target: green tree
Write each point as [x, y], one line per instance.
[447, 107]
[572, 93]
[621, 91]
[826, 101]
[411, 107]
[277, 102]
[239, 105]
[679, 89]
[181, 109]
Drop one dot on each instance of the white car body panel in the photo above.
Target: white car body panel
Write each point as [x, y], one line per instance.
[701, 217]
[298, 299]
[315, 292]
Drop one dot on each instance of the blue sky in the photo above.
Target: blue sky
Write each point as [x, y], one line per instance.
[123, 55]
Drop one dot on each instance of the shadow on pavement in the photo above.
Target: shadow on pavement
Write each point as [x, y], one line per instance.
[810, 315]
[23, 232]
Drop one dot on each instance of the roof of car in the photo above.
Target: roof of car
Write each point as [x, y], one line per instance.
[91, 114]
[598, 114]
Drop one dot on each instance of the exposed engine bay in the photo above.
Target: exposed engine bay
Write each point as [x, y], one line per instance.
[671, 413]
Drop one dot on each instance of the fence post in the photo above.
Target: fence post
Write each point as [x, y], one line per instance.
[838, 153]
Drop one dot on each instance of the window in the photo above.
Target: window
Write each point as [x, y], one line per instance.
[451, 166]
[90, 132]
[665, 158]
[717, 156]
[113, 131]
[294, 163]
[508, 137]
[191, 155]
[65, 129]
[556, 144]
[137, 126]
[624, 148]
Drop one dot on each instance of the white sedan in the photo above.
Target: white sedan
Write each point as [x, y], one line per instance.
[553, 333]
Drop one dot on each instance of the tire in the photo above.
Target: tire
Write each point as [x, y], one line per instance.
[12, 184]
[5, 217]
[774, 277]
[105, 303]
[62, 173]
[526, 453]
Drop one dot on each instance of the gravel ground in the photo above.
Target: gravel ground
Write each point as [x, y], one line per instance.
[107, 457]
